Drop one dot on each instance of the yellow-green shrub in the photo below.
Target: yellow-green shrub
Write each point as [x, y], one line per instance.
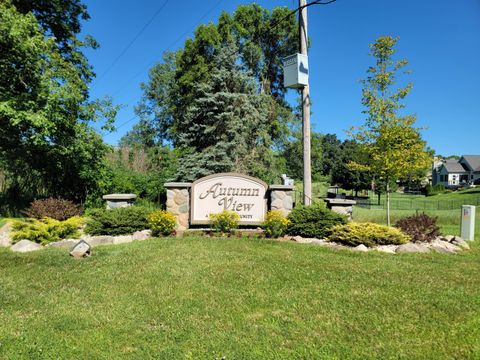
[224, 221]
[46, 230]
[162, 222]
[368, 234]
[275, 224]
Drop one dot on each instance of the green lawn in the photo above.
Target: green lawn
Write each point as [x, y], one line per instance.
[2, 221]
[206, 298]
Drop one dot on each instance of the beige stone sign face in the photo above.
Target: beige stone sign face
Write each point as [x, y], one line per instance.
[229, 191]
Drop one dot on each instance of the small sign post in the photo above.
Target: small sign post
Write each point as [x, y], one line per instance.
[468, 222]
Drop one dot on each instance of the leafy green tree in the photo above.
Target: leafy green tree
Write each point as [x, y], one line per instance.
[293, 154]
[394, 146]
[46, 143]
[344, 175]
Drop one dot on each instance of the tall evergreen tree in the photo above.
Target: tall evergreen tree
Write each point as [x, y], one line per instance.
[226, 127]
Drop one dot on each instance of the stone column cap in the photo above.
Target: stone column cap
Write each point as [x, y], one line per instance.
[345, 202]
[119, 197]
[178, 185]
[281, 187]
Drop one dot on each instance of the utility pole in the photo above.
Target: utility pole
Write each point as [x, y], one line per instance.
[307, 165]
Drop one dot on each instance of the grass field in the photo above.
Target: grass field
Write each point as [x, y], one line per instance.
[2, 221]
[197, 298]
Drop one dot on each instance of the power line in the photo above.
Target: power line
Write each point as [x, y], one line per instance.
[168, 47]
[109, 67]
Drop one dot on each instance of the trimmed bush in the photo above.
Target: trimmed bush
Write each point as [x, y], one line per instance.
[162, 222]
[224, 221]
[435, 189]
[368, 234]
[119, 221]
[313, 221]
[46, 230]
[275, 224]
[419, 227]
[55, 208]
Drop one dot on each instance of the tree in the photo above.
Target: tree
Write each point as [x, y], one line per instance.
[344, 175]
[173, 84]
[46, 144]
[394, 146]
[226, 127]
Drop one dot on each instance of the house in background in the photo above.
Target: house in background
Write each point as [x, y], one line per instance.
[453, 173]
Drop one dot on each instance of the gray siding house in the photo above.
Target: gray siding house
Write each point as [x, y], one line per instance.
[454, 173]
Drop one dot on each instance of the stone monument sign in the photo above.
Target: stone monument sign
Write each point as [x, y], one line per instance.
[243, 194]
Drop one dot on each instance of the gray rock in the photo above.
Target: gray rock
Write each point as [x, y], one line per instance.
[5, 239]
[320, 242]
[458, 241]
[389, 249]
[25, 246]
[448, 238]
[122, 239]
[413, 248]
[444, 246]
[81, 249]
[67, 243]
[99, 240]
[142, 235]
[361, 248]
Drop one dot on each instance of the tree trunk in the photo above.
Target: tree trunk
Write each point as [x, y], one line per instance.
[388, 203]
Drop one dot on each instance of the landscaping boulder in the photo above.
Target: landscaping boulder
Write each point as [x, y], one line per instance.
[458, 241]
[122, 239]
[81, 249]
[413, 248]
[442, 246]
[361, 248]
[142, 235]
[5, 239]
[320, 242]
[66, 243]
[389, 249]
[25, 246]
[100, 240]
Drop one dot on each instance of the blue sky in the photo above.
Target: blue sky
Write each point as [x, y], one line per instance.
[440, 38]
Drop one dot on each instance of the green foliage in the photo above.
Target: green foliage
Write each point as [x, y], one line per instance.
[55, 208]
[313, 221]
[220, 99]
[162, 222]
[368, 234]
[46, 230]
[431, 190]
[275, 224]
[47, 147]
[226, 127]
[224, 221]
[119, 221]
[419, 227]
[394, 147]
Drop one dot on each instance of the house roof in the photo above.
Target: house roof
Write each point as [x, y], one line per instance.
[473, 161]
[453, 166]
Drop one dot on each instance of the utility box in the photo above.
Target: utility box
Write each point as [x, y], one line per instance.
[295, 71]
[468, 222]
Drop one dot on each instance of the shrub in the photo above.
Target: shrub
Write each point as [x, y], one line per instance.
[224, 221]
[162, 222]
[368, 234]
[46, 230]
[55, 208]
[435, 189]
[117, 221]
[313, 221]
[419, 227]
[275, 224]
